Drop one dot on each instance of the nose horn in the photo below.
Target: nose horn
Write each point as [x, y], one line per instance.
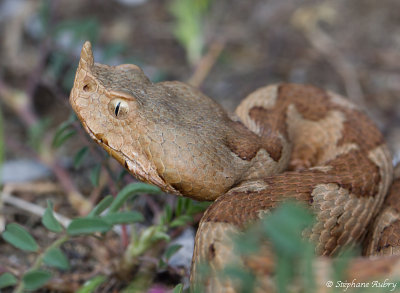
[87, 60]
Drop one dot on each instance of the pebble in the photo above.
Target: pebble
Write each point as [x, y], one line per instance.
[24, 170]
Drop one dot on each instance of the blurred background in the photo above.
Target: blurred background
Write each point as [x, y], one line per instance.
[227, 48]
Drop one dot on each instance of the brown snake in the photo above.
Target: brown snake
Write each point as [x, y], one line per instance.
[284, 142]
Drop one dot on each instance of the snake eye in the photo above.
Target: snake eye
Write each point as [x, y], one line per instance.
[118, 108]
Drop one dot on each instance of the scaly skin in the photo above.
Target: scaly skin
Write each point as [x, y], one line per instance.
[284, 142]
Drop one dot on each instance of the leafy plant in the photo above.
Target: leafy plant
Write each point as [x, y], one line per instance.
[100, 220]
[189, 26]
[36, 134]
[184, 212]
[281, 228]
[178, 289]
[143, 241]
[7, 280]
[294, 255]
[79, 156]
[92, 284]
[64, 132]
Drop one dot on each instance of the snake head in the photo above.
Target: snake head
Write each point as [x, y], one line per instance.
[105, 101]
[168, 134]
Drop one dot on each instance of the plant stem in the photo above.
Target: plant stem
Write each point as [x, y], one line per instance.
[39, 260]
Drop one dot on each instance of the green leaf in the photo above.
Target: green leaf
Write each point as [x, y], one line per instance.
[121, 175]
[79, 156]
[17, 236]
[56, 258]
[283, 228]
[101, 206]
[204, 272]
[82, 226]
[95, 175]
[178, 289]
[250, 243]
[284, 272]
[187, 203]
[129, 190]
[159, 235]
[179, 206]
[171, 250]
[35, 279]
[147, 238]
[162, 265]
[181, 221]
[37, 131]
[244, 278]
[307, 268]
[49, 221]
[7, 280]
[291, 220]
[189, 25]
[167, 215]
[92, 284]
[123, 218]
[197, 207]
[64, 137]
[63, 132]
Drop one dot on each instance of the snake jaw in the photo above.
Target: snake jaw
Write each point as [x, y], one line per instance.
[149, 174]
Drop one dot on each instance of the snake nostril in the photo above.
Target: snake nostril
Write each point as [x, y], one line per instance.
[211, 251]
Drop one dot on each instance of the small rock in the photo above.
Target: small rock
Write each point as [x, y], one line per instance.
[24, 170]
[183, 257]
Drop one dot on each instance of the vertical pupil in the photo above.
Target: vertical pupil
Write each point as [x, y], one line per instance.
[117, 108]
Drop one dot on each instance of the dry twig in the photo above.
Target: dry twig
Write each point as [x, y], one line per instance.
[32, 208]
[306, 19]
[206, 63]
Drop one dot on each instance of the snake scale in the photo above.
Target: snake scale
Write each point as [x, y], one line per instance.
[284, 141]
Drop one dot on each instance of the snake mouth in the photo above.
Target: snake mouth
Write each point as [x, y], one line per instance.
[133, 166]
[99, 139]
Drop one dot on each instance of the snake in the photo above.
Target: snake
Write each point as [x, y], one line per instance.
[283, 142]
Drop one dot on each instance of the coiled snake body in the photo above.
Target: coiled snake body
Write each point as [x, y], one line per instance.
[284, 142]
